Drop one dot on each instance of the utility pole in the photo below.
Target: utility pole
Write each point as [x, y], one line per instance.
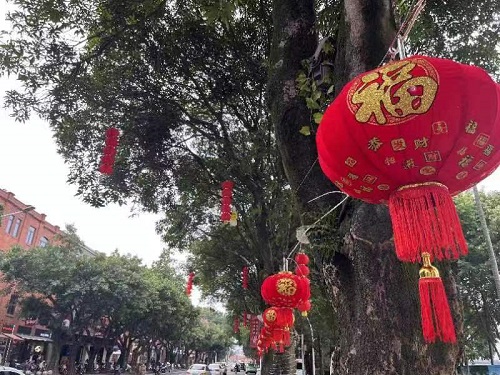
[489, 244]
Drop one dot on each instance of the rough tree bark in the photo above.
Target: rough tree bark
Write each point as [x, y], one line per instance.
[375, 296]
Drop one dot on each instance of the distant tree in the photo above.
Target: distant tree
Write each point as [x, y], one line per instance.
[477, 288]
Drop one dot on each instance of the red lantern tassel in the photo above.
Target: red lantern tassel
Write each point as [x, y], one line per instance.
[437, 322]
[245, 277]
[424, 217]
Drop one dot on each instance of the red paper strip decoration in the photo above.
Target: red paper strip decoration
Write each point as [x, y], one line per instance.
[226, 200]
[189, 286]
[244, 277]
[412, 134]
[109, 151]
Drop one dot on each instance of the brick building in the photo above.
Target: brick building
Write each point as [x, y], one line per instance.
[23, 226]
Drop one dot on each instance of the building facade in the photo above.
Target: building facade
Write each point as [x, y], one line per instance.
[22, 225]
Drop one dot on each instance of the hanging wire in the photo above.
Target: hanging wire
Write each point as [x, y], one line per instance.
[405, 28]
[306, 175]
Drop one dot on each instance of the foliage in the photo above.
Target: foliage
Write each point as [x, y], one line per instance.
[477, 288]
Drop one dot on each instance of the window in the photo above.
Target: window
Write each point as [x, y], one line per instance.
[15, 232]
[11, 307]
[9, 224]
[30, 236]
[44, 241]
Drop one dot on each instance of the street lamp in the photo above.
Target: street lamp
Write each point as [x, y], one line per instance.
[26, 209]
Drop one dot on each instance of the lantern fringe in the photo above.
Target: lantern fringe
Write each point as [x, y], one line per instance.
[435, 311]
[424, 217]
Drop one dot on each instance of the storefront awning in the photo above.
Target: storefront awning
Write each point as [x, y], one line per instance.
[11, 336]
[34, 338]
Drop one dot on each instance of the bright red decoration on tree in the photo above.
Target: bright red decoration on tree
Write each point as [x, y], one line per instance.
[302, 270]
[226, 200]
[283, 289]
[302, 258]
[244, 277]
[236, 324]
[412, 134]
[109, 151]
[189, 286]
[305, 307]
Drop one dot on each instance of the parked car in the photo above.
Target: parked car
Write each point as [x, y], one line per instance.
[299, 370]
[251, 369]
[198, 369]
[224, 367]
[216, 369]
[4, 370]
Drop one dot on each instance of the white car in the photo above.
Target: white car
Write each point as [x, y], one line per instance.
[4, 370]
[216, 369]
[198, 369]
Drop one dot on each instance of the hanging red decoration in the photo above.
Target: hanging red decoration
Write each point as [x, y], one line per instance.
[283, 289]
[305, 307]
[109, 151]
[189, 286]
[412, 134]
[302, 270]
[302, 258]
[244, 277]
[226, 200]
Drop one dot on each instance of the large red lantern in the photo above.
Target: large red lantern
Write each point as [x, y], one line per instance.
[283, 289]
[412, 134]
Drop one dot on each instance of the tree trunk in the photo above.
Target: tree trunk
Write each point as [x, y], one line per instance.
[374, 295]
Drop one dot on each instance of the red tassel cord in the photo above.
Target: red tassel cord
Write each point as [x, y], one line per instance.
[437, 323]
[424, 217]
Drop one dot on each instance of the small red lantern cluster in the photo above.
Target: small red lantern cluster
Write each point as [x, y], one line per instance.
[412, 134]
[244, 277]
[236, 325]
[227, 199]
[189, 286]
[284, 291]
[303, 271]
[109, 152]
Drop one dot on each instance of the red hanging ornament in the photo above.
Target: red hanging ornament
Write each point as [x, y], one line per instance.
[302, 258]
[189, 286]
[305, 307]
[302, 270]
[283, 290]
[244, 277]
[437, 322]
[109, 151]
[412, 134]
[226, 200]
[245, 319]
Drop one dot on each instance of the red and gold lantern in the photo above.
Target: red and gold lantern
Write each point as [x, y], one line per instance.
[412, 134]
[283, 289]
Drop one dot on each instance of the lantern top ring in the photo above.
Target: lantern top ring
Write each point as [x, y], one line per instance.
[430, 183]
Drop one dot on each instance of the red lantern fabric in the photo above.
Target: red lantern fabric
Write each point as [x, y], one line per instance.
[412, 121]
[189, 286]
[302, 258]
[109, 151]
[283, 290]
[227, 198]
[302, 270]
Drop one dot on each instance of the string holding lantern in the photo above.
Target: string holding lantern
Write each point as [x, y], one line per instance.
[226, 200]
[109, 152]
[189, 286]
[244, 277]
[412, 134]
